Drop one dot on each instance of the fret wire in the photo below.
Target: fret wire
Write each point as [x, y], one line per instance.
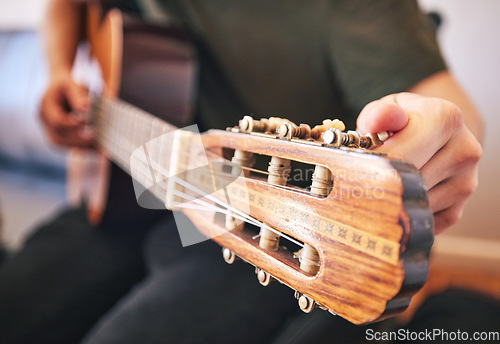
[112, 140]
[141, 125]
[121, 126]
[130, 118]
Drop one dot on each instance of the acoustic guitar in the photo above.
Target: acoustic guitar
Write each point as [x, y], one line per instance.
[355, 242]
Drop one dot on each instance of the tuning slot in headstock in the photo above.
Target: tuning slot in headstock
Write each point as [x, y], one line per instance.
[307, 259]
[300, 256]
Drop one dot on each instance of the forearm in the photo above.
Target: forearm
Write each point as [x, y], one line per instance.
[443, 85]
[63, 31]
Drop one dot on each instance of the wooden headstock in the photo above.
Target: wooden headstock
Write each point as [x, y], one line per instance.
[364, 225]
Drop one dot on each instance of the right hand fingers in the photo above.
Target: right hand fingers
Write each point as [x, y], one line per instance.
[77, 96]
[61, 101]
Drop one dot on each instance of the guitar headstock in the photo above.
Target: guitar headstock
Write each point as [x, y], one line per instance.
[355, 241]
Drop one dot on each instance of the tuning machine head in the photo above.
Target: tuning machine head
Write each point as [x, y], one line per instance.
[306, 304]
[330, 132]
[264, 125]
[229, 256]
[264, 277]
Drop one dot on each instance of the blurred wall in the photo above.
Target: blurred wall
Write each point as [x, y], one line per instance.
[22, 82]
[469, 41]
[32, 185]
[21, 14]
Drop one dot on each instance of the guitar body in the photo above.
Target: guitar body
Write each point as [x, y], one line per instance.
[368, 236]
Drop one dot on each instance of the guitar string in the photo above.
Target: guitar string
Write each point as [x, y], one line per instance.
[154, 166]
[232, 211]
[133, 147]
[123, 140]
[152, 119]
[227, 163]
[236, 211]
[129, 143]
[207, 206]
[149, 128]
[190, 186]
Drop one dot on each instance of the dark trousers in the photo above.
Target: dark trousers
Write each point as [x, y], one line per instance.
[70, 274]
[75, 283]
[67, 275]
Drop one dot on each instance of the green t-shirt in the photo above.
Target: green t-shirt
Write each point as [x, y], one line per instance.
[306, 60]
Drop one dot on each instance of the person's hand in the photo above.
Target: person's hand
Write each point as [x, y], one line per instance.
[431, 134]
[63, 112]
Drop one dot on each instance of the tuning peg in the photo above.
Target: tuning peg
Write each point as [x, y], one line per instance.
[264, 278]
[309, 259]
[290, 130]
[244, 159]
[322, 181]
[353, 139]
[376, 139]
[248, 124]
[279, 170]
[273, 123]
[228, 255]
[306, 304]
[240, 159]
[318, 130]
[333, 137]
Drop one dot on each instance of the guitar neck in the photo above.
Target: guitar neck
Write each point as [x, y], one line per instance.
[135, 140]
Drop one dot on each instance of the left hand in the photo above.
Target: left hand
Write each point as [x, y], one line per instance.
[431, 134]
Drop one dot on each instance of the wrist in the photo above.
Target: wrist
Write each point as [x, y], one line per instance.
[60, 73]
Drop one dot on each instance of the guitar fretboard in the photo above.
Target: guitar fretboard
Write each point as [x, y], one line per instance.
[130, 136]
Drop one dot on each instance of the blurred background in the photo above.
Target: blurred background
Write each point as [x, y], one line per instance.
[32, 171]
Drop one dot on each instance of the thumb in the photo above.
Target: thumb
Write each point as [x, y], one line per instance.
[382, 115]
[78, 97]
